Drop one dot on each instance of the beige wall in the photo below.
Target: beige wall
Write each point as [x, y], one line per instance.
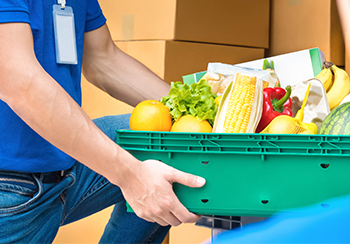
[97, 103]
[85, 231]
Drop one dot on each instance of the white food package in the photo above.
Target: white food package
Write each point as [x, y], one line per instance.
[317, 106]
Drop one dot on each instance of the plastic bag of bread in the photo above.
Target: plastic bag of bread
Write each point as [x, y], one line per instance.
[215, 80]
[226, 72]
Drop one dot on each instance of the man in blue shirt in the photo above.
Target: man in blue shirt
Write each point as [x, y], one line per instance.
[58, 166]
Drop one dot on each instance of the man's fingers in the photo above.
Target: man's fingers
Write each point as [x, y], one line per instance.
[152, 219]
[174, 215]
[155, 200]
[164, 220]
[160, 221]
[178, 210]
[161, 215]
[182, 213]
[188, 179]
[171, 219]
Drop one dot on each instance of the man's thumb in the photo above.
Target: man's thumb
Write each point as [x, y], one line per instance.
[189, 179]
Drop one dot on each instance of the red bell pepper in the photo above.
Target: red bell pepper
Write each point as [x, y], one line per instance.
[276, 102]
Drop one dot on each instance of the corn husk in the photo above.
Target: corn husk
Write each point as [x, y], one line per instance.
[255, 112]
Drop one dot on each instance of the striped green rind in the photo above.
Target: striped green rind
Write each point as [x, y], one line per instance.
[337, 122]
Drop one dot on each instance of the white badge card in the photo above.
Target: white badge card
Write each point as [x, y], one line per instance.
[64, 29]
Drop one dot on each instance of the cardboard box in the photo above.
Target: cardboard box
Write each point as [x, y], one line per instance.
[302, 24]
[234, 22]
[171, 60]
[189, 234]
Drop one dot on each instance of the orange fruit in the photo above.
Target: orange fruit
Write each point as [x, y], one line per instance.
[150, 115]
[188, 123]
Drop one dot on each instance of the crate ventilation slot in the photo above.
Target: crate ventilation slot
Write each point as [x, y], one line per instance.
[205, 200]
[205, 162]
[325, 166]
[264, 201]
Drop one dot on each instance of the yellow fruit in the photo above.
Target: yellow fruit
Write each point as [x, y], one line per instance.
[282, 125]
[150, 115]
[218, 99]
[326, 77]
[188, 123]
[340, 88]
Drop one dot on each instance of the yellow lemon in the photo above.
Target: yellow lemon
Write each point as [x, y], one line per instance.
[188, 123]
[218, 99]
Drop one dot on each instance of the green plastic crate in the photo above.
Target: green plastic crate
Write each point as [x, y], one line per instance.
[249, 174]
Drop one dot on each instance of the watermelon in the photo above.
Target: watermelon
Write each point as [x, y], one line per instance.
[337, 122]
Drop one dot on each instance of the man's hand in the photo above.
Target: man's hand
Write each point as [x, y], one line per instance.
[149, 192]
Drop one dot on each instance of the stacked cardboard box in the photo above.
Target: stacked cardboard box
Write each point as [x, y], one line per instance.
[179, 37]
[171, 60]
[302, 24]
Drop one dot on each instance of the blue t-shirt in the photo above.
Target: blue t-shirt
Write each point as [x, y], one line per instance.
[21, 148]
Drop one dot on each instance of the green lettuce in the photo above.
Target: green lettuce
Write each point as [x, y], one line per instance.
[195, 99]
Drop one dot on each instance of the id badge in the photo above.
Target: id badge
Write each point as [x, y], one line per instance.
[64, 29]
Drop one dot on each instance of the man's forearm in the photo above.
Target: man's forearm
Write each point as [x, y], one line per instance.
[120, 75]
[49, 110]
[53, 114]
[343, 7]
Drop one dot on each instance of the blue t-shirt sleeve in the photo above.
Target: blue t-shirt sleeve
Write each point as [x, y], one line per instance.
[94, 16]
[14, 11]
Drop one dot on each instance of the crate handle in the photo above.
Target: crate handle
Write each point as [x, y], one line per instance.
[264, 201]
[205, 200]
[325, 166]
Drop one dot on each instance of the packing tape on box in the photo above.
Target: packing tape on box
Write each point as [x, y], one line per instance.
[128, 27]
[294, 2]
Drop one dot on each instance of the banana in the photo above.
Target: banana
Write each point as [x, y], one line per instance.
[340, 88]
[326, 76]
[345, 100]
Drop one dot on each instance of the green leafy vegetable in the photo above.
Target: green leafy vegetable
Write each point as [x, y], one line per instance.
[196, 100]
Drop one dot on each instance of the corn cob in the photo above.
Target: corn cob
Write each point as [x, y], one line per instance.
[240, 105]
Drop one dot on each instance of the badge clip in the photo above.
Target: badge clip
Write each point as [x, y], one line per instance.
[62, 3]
